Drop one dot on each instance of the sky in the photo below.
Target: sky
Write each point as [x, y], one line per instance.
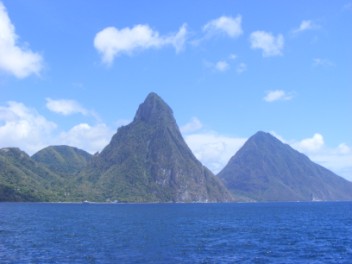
[72, 72]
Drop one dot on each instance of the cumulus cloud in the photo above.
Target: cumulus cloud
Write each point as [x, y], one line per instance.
[312, 144]
[343, 148]
[24, 127]
[305, 25]
[229, 26]
[112, 42]
[277, 95]
[212, 149]
[267, 42]
[14, 59]
[338, 159]
[87, 137]
[222, 66]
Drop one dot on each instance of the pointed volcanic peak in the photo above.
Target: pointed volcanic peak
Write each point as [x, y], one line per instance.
[149, 161]
[155, 111]
[265, 169]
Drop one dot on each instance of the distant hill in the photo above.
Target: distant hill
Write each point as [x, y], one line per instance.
[63, 160]
[22, 179]
[265, 169]
[149, 161]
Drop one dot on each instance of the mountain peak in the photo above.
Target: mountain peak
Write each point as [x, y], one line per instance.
[266, 169]
[261, 135]
[264, 140]
[148, 160]
[153, 109]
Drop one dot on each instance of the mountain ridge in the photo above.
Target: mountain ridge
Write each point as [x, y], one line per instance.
[149, 161]
[265, 169]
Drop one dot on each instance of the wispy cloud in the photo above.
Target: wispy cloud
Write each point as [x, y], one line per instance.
[222, 66]
[191, 126]
[267, 42]
[319, 62]
[112, 42]
[225, 64]
[347, 6]
[230, 26]
[68, 107]
[277, 95]
[241, 68]
[65, 107]
[306, 25]
[233, 56]
[18, 61]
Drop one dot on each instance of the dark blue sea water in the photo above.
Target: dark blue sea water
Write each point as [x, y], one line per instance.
[176, 233]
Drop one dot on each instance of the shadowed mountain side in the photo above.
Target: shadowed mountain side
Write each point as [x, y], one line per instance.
[265, 169]
[149, 161]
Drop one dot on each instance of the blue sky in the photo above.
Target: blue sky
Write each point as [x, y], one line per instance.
[72, 72]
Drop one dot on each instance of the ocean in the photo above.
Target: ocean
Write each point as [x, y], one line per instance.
[317, 232]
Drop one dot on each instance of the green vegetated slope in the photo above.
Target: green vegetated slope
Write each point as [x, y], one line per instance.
[22, 179]
[148, 161]
[265, 169]
[63, 160]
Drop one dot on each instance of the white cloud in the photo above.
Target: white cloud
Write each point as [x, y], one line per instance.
[87, 137]
[277, 95]
[312, 144]
[112, 42]
[222, 66]
[65, 107]
[212, 149]
[192, 126]
[224, 25]
[338, 159]
[23, 127]
[241, 67]
[344, 149]
[271, 45]
[18, 61]
[305, 25]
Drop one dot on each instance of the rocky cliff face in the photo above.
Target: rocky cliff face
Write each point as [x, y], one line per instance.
[148, 160]
[265, 169]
